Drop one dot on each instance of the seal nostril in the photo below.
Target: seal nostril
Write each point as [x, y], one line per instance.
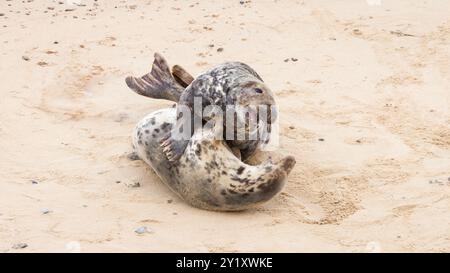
[258, 90]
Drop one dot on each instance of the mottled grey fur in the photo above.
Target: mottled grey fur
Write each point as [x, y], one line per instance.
[207, 175]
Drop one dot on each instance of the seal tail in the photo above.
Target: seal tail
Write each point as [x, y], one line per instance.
[159, 83]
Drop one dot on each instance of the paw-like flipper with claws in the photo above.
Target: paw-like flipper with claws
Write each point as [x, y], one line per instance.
[173, 149]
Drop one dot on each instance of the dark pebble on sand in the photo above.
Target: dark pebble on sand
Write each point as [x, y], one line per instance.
[20, 246]
[26, 58]
[34, 182]
[134, 185]
[286, 60]
[170, 201]
[133, 156]
[291, 127]
[220, 49]
[321, 139]
[2, 14]
[294, 59]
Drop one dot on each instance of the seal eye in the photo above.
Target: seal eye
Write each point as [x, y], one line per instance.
[258, 90]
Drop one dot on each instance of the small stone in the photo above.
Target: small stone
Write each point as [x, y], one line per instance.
[42, 63]
[20, 246]
[2, 14]
[286, 60]
[241, 2]
[69, 9]
[34, 182]
[357, 31]
[134, 185]
[291, 127]
[45, 211]
[220, 49]
[118, 182]
[142, 230]
[121, 117]
[294, 59]
[133, 156]
[55, 42]
[26, 58]
[321, 139]
[170, 201]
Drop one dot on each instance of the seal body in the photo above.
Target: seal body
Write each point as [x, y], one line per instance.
[207, 175]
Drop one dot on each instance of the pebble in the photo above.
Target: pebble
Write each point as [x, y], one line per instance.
[357, 31]
[26, 58]
[121, 117]
[220, 49]
[133, 156]
[170, 201]
[45, 211]
[20, 246]
[294, 59]
[2, 14]
[134, 185]
[321, 139]
[34, 182]
[142, 230]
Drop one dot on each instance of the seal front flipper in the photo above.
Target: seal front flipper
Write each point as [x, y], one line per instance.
[158, 84]
[173, 149]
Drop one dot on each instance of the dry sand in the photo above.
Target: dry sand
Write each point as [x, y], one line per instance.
[364, 109]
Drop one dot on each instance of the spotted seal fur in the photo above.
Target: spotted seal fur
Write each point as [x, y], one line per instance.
[207, 175]
[228, 84]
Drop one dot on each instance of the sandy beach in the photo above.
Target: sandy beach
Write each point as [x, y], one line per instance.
[363, 89]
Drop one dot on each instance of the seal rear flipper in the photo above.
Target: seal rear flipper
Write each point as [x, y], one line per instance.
[255, 184]
[158, 84]
[182, 76]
